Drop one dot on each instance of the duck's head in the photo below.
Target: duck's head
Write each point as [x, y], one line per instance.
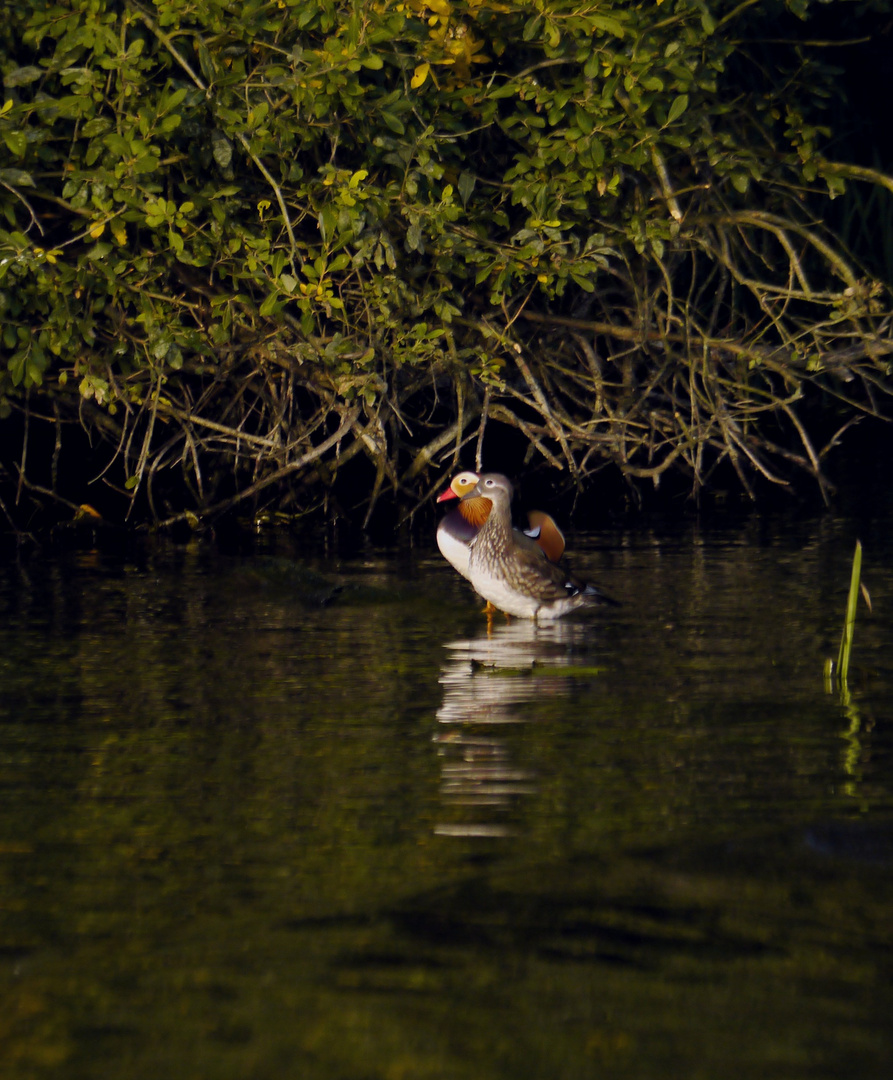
[460, 486]
[493, 486]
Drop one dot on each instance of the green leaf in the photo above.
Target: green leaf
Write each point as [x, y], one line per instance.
[393, 122]
[206, 62]
[414, 237]
[584, 120]
[22, 76]
[328, 222]
[221, 148]
[145, 163]
[465, 185]
[16, 178]
[680, 104]
[609, 25]
[174, 99]
[117, 144]
[16, 142]
[95, 127]
[16, 367]
[531, 27]
[270, 304]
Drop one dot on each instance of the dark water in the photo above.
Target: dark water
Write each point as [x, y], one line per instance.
[268, 818]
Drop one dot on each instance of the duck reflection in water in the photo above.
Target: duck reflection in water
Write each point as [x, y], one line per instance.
[486, 682]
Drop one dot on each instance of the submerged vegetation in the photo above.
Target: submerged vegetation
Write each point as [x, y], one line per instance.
[249, 247]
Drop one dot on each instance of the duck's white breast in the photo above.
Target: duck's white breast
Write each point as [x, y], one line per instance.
[455, 551]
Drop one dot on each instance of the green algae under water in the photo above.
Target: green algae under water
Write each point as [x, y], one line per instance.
[279, 817]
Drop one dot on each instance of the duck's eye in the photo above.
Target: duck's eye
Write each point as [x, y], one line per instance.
[489, 483]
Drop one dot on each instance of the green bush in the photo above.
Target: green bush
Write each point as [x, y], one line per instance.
[256, 240]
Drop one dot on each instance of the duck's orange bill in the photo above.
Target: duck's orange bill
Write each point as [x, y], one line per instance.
[448, 494]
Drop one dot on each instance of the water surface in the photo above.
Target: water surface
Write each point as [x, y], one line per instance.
[289, 815]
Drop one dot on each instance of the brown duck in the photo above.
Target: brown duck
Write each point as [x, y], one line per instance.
[509, 575]
[461, 525]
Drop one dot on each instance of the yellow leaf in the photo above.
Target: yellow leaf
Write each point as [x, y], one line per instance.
[97, 230]
[419, 75]
[119, 231]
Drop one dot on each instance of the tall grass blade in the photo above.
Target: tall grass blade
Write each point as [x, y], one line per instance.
[849, 626]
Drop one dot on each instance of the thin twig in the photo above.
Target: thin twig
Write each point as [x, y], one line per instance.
[317, 452]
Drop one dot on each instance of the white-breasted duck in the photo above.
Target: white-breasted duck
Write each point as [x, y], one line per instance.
[509, 575]
[461, 525]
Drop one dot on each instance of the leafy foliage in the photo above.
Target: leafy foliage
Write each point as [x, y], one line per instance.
[260, 239]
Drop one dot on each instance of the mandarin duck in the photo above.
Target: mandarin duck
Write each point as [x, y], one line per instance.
[511, 576]
[461, 525]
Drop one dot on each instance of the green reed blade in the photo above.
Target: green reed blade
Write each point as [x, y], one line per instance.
[849, 626]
